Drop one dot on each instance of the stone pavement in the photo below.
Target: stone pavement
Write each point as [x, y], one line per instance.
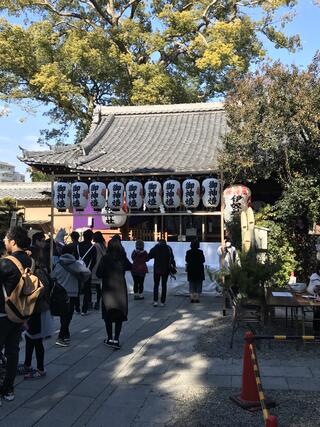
[89, 384]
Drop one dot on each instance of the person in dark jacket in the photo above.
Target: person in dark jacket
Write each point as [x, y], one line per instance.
[40, 324]
[195, 269]
[16, 239]
[163, 262]
[87, 252]
[75, 236]
[112, 270]
[101, 248]
[139, 269]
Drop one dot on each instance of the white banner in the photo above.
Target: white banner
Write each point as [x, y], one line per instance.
[180, 286]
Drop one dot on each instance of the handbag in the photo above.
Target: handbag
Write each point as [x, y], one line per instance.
[172, 265]
[58, 300]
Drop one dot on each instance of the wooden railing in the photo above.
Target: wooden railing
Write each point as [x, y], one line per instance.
[147, 235]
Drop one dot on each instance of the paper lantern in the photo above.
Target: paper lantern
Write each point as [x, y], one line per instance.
[236, 198]
[210, 192]
[191, 193]
[62, 196]
[152, 191]
[134, 192]
[115, 195]
[79, 195]
[113, 219]
[97, 195]
[171, 193]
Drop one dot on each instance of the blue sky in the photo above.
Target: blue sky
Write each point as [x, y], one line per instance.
[20, 128]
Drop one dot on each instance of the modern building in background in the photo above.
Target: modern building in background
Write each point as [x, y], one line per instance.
[8, 173]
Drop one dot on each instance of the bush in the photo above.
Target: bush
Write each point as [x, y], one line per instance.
[250, 276]
[280, 250]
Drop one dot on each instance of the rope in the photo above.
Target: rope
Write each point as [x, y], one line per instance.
[287, 337]
[262, 398]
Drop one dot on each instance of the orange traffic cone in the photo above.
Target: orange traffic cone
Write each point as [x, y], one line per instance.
[272, 421]
[249, 397]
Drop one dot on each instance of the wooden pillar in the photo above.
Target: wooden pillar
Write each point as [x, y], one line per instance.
[52, 222]
[224, 311]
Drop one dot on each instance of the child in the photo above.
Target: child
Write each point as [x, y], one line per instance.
[139, 269]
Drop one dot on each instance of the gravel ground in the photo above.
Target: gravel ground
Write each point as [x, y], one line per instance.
[215, 342]
[212, 407]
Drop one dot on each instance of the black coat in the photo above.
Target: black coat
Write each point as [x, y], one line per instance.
[10, 274]
[195, 260]
[163, 258]
[114, 287]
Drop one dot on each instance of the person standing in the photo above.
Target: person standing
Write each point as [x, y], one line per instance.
[111, 270]
[40, 324]
[67, 273]
[87, 253]
[163, 263]
[139, 269]
[100, 245]
[195, 270]
[227, 255]
[314, 289]
[74, 236]
[15, 241]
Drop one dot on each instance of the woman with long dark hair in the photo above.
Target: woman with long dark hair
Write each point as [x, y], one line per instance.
[111, 270]
[195, 268]
[101, 247]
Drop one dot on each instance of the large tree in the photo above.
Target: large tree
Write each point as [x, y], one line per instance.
[72, 54]
[274, 120]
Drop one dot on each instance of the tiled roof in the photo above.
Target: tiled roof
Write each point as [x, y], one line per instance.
[182, 138]
[26, 190]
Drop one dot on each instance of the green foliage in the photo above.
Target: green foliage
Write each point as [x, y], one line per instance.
[280, 250]
[37, 176]
[273, 116]
[7, 207]
[71, 55]
[274, 134]
[250, 276]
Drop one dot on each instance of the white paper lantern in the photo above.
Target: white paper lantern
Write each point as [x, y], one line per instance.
[134, 193]
[171, 193]
[211, 192]
[113, 219]
[62, 196]
[152, 191]
[236, 198]
[97, 195]
[79, 195]
[115, 195]
[191, 193]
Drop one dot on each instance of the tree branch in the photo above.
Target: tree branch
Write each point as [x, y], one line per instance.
[133, 4]
[207, 11]
[100, 11]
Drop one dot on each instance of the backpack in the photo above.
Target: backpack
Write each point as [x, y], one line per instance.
[81, 259]
[20, 304]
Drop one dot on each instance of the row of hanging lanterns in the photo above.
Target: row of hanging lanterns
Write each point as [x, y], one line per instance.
[153, 194]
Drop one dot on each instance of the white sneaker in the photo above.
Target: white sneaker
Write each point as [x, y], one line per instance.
[155, 304]
[162, 304]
